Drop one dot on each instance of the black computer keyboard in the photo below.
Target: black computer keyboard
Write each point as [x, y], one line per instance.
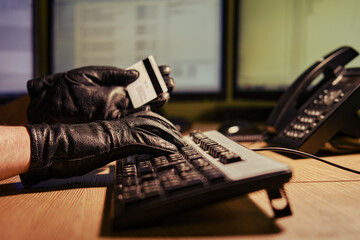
[210, 168]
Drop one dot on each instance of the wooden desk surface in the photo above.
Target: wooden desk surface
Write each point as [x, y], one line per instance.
[324, 200]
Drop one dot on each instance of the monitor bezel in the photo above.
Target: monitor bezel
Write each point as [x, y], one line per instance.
[182, 96]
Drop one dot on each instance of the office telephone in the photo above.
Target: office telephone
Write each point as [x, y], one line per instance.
[322, 102]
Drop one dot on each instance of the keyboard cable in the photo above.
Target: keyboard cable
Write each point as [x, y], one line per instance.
[304, 154]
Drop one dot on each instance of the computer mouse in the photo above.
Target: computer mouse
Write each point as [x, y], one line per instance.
[237, 127]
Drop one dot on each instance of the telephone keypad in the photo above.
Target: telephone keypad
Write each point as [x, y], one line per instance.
[313, 112]
[294, 134]
[299, 126]
[313, 115]
[304, 123]
[306, 119]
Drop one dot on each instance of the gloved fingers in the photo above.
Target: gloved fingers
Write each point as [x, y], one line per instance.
[170, 83]
[104, 75]
[118, 76]
[157, 118]
[161, 100]
[155, 144]
[159, 133]
[165, 70]
[37, 85]
[170, 134]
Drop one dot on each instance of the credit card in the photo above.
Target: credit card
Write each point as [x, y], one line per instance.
[149, 84]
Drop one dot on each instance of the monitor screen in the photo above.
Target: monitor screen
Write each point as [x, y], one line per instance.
[278, 39]
[16, 47]
[185, 34]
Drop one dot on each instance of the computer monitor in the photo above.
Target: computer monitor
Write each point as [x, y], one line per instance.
[17, 55]
[277, 40]
[188, 35]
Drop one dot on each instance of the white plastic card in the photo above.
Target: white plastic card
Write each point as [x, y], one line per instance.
[149, 84]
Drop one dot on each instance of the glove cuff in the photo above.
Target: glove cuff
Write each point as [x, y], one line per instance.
[38, 170]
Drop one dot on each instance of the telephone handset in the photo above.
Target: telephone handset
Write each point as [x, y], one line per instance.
[320, 103]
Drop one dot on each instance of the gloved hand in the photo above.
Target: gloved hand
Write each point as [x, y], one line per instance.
[86, 94]
[66, 150]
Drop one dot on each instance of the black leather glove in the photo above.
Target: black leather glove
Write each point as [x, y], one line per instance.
[66, 150]
[86, 94]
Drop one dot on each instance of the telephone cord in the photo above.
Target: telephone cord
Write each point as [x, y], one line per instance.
[304, 154]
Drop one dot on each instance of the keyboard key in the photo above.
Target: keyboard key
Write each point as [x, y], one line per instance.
[206, 143]
[191, 158]
[161, 163]
[176, 161]
[132, 194]
[191, 154]
[175, 157]
[130, 180]
[216, 150]
[171, 181]
[129, 170]
[192, 178]
[148, 176]
[129, 160]
[145, 167]
[213, 175]
[229, 157]
[151, 188]
[199, 163]
[172, 185]
[186, 148]
[183, 167]
[197, 136]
